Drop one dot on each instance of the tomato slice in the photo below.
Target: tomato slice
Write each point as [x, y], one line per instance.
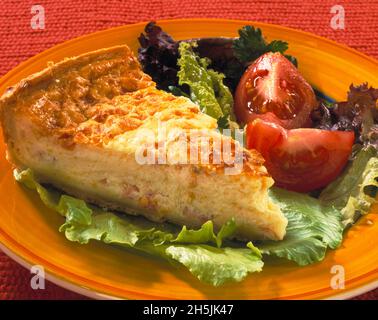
[300, 160]
[272, 87]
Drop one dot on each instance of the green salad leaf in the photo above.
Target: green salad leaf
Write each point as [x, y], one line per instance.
[355, 190]
[206, 85]
[206, 234]
[199, 250]
[216, 264]
[312, 228]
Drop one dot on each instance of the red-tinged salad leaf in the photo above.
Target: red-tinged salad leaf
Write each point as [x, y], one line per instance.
[158, 54]
[359, 114]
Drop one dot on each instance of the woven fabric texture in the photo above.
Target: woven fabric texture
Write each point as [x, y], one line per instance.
[66, 19]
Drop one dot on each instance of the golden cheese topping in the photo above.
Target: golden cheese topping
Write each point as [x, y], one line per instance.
[124, 113]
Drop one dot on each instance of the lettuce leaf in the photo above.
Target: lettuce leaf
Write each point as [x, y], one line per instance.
[312, 228]
[206, 233]
[355, 190]
[210, 262]
[199, 250]
[206, 85]
[222, 93]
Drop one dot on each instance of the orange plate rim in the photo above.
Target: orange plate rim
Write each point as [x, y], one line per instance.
[26, 258]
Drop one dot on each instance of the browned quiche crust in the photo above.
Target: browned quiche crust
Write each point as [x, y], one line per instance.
[69, 93]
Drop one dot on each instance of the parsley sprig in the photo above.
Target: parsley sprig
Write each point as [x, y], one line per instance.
[251, 44]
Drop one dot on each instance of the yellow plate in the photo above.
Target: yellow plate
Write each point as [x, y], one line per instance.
[29, 231]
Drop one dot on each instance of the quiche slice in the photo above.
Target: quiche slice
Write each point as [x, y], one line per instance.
[88, 125]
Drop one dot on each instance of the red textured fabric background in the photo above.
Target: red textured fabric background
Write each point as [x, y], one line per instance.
[69, 18]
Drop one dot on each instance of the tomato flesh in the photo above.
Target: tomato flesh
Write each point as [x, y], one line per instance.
[300, 160]
[272, 85]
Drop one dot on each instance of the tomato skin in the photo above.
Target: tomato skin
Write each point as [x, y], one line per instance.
[273, 85]
[300, 160]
